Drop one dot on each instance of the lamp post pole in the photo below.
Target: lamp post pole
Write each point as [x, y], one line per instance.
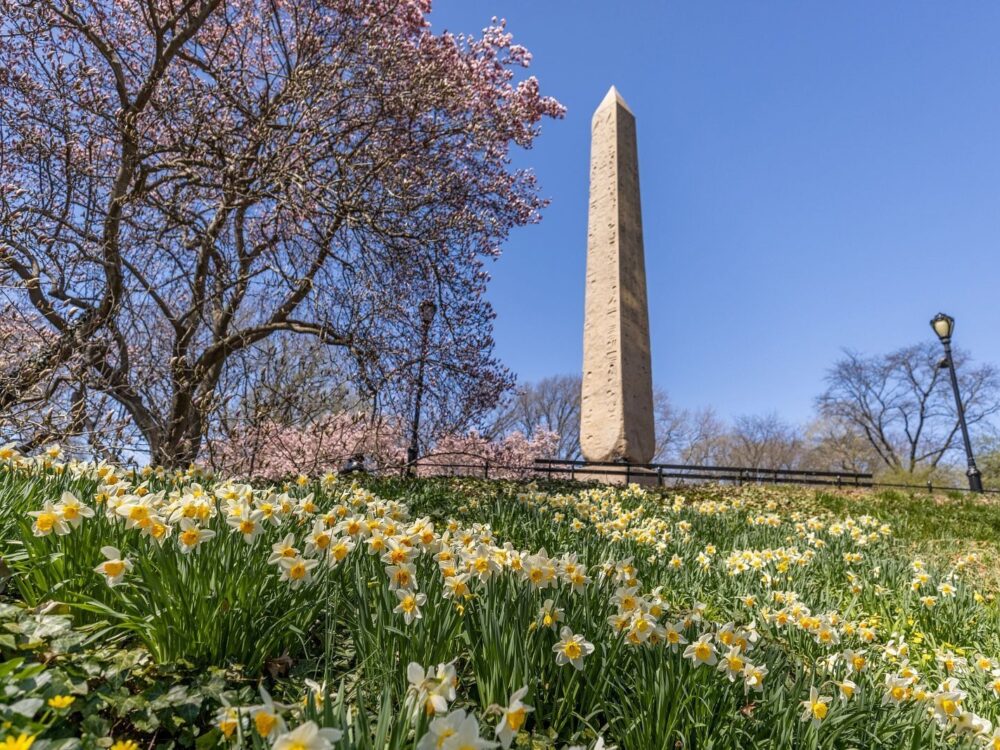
[427, 311]
[943, 326]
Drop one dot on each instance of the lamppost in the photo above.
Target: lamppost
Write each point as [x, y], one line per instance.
[944, 326]
[427, 312]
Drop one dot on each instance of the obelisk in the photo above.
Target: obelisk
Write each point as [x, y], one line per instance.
[616, 411]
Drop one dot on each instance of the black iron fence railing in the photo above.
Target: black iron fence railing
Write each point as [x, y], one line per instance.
[455, 465]
[729, 474]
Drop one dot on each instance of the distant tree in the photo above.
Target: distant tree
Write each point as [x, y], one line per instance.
[551, 404]
[763, 442]
[835, 445]
[181, 181]
[701, 441]
[903, 405]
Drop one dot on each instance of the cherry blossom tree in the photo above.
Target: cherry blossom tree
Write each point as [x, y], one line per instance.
[182, 179]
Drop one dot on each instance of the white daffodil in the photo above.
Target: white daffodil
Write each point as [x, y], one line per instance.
[549, 616]
[512, 717]
[440, 730]
[48, 520]
[847, 689]
[319, 539]
[283, 550]
[72, 510]
[732, 664]
[466, 736]
[191, 535]
[702, 651]
[114, 566]
[432, 689]
[266, 717]
[307, 736]
[571, 649]
[402, 576]
[673, 635]
[297, 570]
[753, 677]
[409, 605]
[816, 708]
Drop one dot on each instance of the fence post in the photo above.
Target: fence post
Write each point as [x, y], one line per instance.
[659, 476]
[486, 470]
[628, 474]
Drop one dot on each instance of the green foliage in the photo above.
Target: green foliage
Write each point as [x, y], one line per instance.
[187, 650]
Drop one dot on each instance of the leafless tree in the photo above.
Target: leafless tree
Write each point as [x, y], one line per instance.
[836, 445]
[552, 404]
[763, 442]
[903, 405]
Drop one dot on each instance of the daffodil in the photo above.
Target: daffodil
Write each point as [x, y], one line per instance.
[732, 664]
[72, 510]
[266, 717]
[816, 708]
[512, 717]
[457, 587]
[307, 736]
[283, 550]
[456, 731]
[847, 688]
[673, 635]
[114, 566]
[8, 452]
[297, 570]
[433, 690]
[402, 576]
[409, 605]
[192, 535]
[571, 649]
[702, 651]
[753, 676]
[48, 520]
[246, 522]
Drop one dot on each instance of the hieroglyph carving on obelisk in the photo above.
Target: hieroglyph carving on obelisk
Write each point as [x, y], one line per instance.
[616, 412]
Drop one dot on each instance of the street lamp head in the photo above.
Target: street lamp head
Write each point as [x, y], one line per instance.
[943, 326]
[427, 311]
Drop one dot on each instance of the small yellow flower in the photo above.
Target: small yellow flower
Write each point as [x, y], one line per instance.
[61, 701]
[125, 745]
[22, 742]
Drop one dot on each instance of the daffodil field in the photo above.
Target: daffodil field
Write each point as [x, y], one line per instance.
[172, 609]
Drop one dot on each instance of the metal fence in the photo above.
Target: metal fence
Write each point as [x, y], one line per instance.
[661, 473]
[658, 474]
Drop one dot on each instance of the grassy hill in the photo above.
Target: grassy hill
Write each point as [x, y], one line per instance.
[176, 609]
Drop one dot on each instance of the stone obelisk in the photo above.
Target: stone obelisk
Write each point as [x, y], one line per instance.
[616, 411]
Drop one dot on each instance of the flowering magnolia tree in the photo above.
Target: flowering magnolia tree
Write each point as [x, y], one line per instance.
[182, 179]
[271, 450]
[510, 457]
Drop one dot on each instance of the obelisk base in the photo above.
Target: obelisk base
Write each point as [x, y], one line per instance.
[621, 476]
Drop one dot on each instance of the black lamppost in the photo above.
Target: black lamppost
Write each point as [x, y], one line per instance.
[427, 312]
[944, 326]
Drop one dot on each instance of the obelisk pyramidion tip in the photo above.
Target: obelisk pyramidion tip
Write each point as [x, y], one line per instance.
[614, 95]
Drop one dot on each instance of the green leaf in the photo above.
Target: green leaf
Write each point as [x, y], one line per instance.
[27, 707]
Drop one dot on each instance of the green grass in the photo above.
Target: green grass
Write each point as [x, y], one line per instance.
[795, 577]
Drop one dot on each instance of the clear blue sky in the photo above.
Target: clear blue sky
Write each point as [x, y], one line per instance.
[814, 176]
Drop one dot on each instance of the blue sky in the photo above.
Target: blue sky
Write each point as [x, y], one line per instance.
[814, 176]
